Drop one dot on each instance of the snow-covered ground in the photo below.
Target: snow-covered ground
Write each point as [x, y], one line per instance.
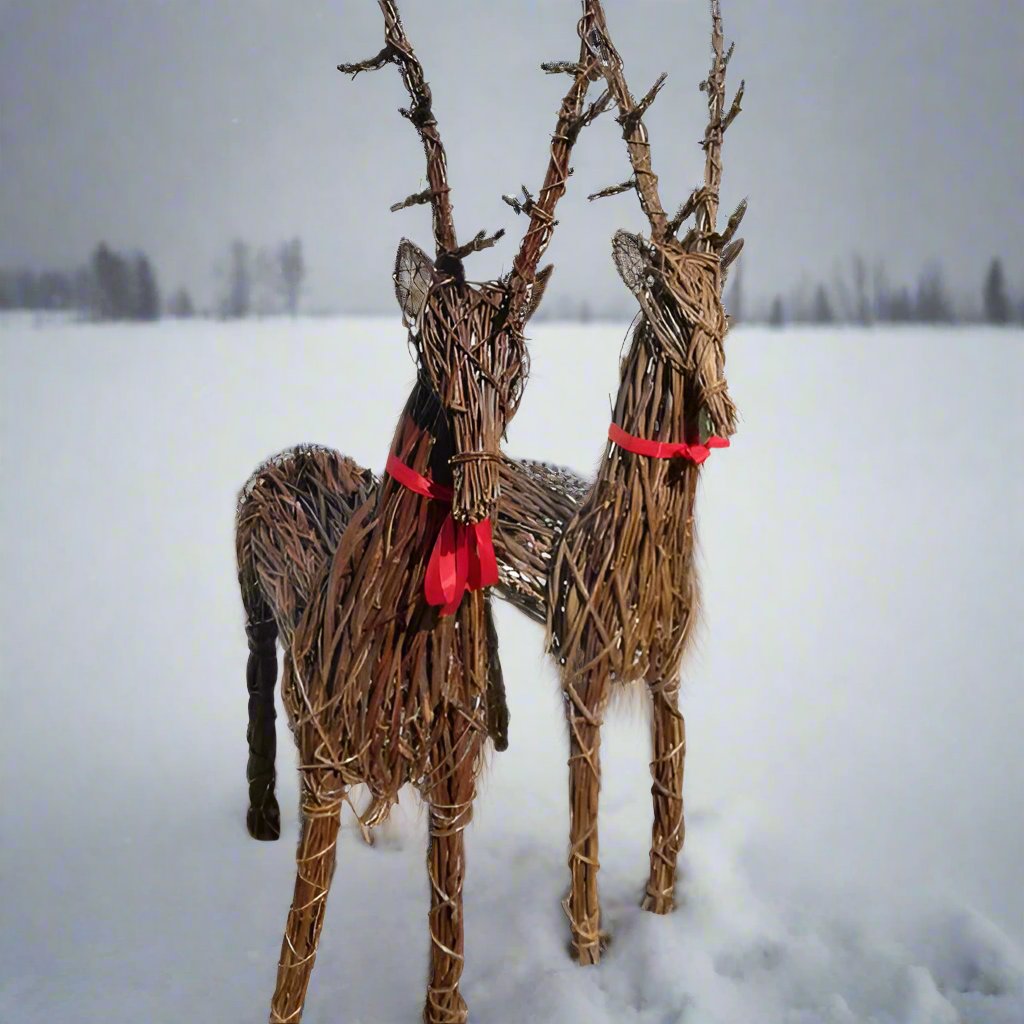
[855, 780]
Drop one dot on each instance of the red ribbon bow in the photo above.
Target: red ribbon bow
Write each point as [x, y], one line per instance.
[463, 556]
[697, 452]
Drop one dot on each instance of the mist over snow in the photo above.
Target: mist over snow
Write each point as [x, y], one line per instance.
[855, 778]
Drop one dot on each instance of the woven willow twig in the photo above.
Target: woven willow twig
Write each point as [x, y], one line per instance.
[609, 566]
[379, 688]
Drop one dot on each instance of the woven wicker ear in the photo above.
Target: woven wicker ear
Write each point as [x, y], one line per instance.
[631, 256]
[539, 287]
[414, 275]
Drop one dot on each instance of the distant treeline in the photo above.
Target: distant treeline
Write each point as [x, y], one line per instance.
[863, 298]
[111, 286]
[268, 280]
[123, 286]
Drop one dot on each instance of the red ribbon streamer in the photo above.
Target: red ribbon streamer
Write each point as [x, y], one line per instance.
[463, 555]
[697, 452]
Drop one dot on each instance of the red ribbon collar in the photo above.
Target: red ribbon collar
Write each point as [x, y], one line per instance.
[696, 453]
[463, 556]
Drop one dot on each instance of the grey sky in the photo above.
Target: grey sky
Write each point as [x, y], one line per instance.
[173, 125]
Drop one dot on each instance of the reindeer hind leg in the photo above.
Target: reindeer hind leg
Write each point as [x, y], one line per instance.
[668, 735]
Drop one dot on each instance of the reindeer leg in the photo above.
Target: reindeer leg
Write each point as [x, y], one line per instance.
[668, 734]
[451, 809]
[315, 858]
[585, 699]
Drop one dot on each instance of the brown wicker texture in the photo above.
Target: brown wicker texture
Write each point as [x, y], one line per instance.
[381, 689]
[609, 567]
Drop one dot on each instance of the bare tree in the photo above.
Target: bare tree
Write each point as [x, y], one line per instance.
[293, 272]
[933, 305]
[180, 305]
[237, 300]
[146, 294]
[822, 312]
[997, 305]
[267, 285]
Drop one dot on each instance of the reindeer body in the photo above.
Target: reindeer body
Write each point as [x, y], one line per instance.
[555, 526]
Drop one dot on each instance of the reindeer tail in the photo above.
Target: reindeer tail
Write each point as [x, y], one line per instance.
[264, 816]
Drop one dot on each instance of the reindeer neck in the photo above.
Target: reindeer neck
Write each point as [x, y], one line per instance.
[422, 442]
[651, 399]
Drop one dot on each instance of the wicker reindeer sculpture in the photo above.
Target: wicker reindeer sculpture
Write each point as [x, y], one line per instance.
[609, 565]
[374, 587]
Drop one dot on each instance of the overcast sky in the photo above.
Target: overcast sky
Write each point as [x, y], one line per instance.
[895, 129]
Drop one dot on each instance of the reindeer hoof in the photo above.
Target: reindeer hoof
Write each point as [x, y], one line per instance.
[264, 823]
[658, 904]
[588, 953]
[450, 1009]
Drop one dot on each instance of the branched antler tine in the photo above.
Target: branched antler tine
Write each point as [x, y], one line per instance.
[733, 225]
[652, 94]
[734, 110]
[416, 199]
[631, 118]
[480, 241]
[714, 86]
[684, 212]
[524, 205]
[373, 64]
[560, 67]
[729, 254]
[571, 120]
[614, 190]
[593, 112]
[398, 50]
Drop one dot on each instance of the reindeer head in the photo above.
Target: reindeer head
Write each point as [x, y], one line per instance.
[680, 295]
[472, 359]
[468, 337]
[678, 282]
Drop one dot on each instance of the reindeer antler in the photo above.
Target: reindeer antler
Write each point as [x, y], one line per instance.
[703, 200]
[572, 119]
[634, 131]
[706, 205]
[398, 50]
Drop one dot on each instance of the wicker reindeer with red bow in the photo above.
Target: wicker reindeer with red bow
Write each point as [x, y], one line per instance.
[374, 587]
[608, 565]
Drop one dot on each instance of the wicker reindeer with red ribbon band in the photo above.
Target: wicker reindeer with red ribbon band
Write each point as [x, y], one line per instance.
[374, 586]
[609, 565]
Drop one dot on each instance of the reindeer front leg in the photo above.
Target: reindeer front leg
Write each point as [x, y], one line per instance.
[451, 809]
[585, 699]
[668, 734]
